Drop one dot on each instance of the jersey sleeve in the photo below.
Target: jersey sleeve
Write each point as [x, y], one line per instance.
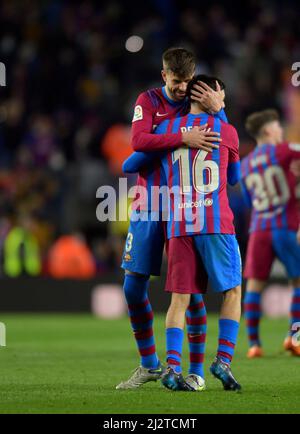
[230, 139]
[142, 137]
[138, 160]
[222, 116]
[294, 150]
[286, 152]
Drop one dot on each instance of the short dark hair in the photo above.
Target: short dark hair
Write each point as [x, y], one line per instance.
[180, 61]
[257, 120]
[207, 79]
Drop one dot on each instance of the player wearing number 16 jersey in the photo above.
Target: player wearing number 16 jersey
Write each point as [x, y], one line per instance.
[269, 187]
[200, 233]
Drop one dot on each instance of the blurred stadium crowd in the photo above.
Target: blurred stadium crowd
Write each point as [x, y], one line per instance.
[66, 109]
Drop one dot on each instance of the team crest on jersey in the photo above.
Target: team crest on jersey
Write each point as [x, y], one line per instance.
[127, 257]
[138, 113]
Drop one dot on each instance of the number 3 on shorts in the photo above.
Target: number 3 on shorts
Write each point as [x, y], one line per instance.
[129, 239]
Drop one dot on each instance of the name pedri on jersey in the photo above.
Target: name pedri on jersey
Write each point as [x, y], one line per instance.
[197, 180]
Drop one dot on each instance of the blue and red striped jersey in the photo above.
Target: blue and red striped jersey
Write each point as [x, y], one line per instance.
[271, 186]
[197, 180]
[151, 109]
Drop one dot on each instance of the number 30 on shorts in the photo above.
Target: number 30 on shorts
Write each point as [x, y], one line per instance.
[129, 239]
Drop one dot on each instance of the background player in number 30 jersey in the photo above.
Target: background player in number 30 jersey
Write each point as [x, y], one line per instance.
[270, 188]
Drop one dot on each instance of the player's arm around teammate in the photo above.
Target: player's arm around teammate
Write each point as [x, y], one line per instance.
[145, 241]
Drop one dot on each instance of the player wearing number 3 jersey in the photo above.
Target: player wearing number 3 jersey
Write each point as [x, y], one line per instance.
[269, 187]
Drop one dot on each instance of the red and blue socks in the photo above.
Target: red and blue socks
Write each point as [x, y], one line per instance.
[141, 318]
[228, 332]
[252, 313]
[174, 338]
[196, 332]
[295, 311]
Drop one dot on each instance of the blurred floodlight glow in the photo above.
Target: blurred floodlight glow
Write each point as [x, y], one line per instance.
[134, 44]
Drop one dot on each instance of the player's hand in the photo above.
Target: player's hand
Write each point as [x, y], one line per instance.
[201, 138]
[295, 168]
[211, 100]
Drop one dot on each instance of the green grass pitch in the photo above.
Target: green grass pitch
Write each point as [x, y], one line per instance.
[71, 364]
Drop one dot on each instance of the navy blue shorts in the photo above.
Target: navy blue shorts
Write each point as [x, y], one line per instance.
[144, 247]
